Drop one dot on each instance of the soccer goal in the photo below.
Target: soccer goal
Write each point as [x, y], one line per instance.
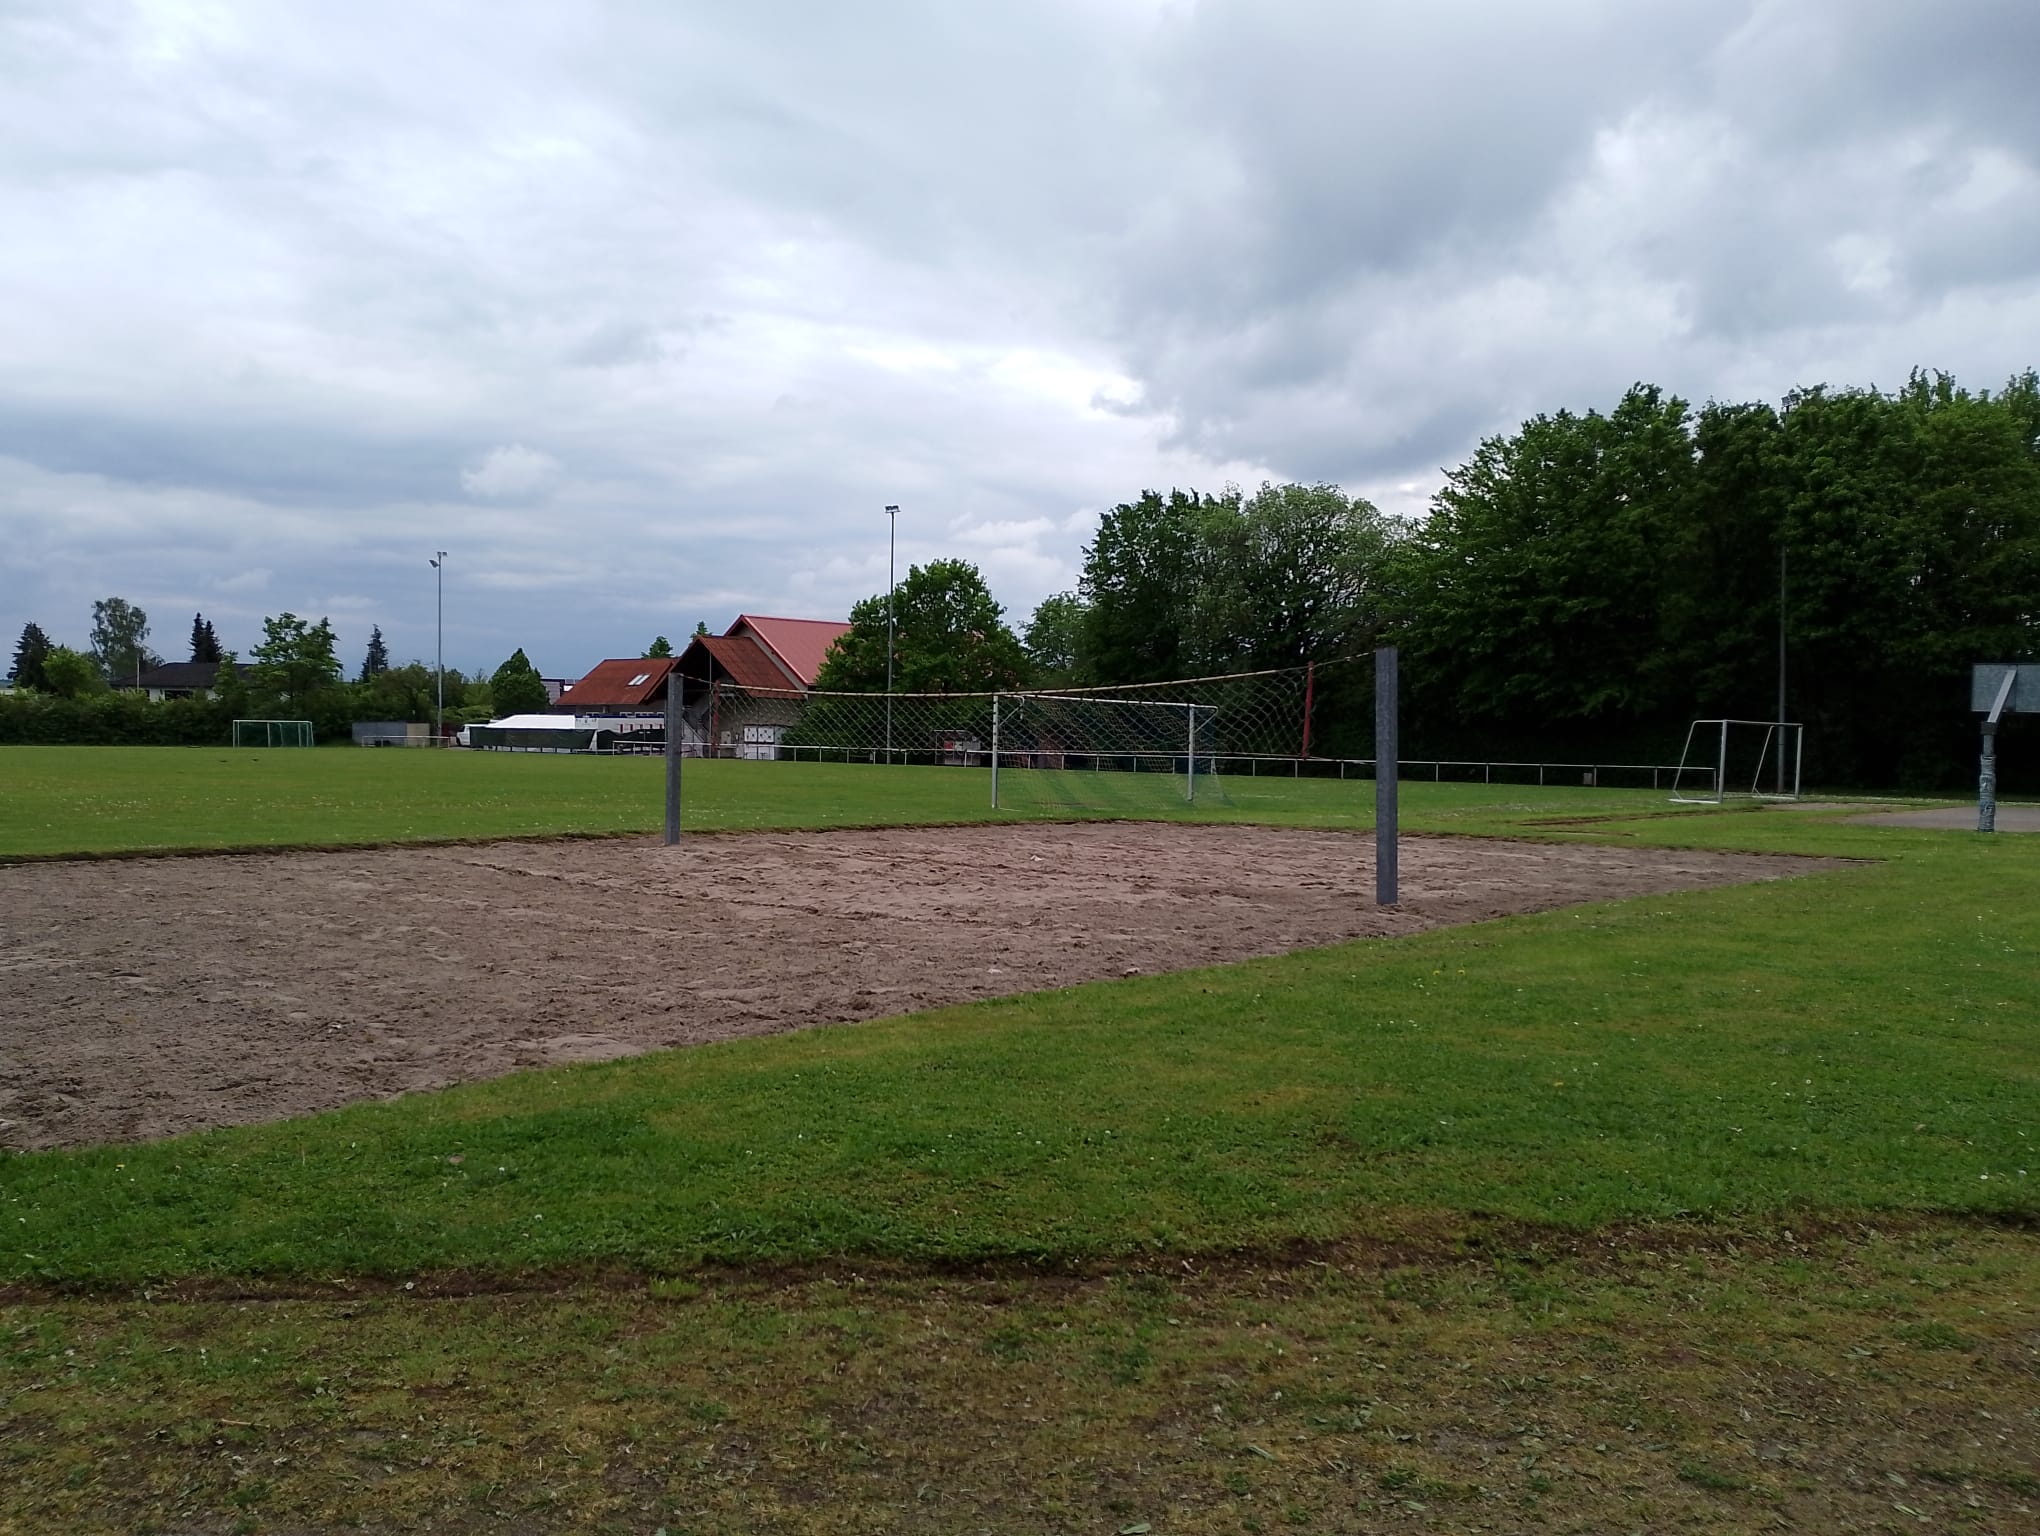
[1739, 759]
[1086, 750]
[272, 733]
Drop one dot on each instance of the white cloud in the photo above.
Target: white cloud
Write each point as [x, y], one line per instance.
[511, 470]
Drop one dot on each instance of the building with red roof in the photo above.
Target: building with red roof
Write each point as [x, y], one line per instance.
[618, 687]
[799, 646]
[739, 690]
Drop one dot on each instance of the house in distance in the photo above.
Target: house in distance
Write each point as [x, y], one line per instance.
[739, 690]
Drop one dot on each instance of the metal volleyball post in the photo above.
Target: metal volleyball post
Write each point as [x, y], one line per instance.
[673, 757]
[995, 751]
[1190, 784]
[1387, 765]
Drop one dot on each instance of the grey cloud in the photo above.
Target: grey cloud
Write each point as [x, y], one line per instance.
[279, 279]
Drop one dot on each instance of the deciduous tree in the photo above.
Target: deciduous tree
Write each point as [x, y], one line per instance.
[1135, 582]
[295, 659]
[119, 633]
[515, 688]
[1288, 575]
[1055, 640]
[72, 674]
[951, 637]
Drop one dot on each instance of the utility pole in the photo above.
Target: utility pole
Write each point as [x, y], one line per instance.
[892, 537]
[439, 655]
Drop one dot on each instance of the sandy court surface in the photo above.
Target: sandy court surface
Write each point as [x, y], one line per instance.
[139, 998]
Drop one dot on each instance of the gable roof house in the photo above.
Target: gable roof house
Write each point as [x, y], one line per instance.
[175, 680]
[632, 686]
[741, 689]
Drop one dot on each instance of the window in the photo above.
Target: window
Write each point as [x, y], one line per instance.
[640, 680]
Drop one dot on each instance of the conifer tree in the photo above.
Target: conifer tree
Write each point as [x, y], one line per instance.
[29, 656]
[205, 644]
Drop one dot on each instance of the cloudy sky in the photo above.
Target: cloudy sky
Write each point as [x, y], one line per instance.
[645, 311]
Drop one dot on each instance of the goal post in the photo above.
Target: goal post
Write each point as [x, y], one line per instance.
[272, 733]
[1090, 749]
[1735, 759]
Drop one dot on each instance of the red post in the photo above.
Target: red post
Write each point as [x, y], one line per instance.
[1309, 686]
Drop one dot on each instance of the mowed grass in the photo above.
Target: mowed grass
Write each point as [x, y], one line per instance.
[64, 801]
[1674, 1381]
[1709, 1212]
[1861, 1039]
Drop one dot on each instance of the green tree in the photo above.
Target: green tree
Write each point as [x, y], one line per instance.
[1136, 578]
[951, 637]
[1537, 582]
[398, 693]
[700, 628]
[515, 688]
[660, 646]
[377, 661]
[1288, 575]
[72, 674]
[119, 633]
[1054, 640]
[205, 644]
[31, 654]
[230, 694]
[1912, 526]
[295, 660]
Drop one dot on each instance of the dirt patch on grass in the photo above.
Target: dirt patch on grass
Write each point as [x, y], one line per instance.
[142, 999]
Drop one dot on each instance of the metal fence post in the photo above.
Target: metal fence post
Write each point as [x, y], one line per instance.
[672, 757]
[995, 751]
[1387, 757]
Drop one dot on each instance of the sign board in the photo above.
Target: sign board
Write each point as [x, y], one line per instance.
[1989, 676]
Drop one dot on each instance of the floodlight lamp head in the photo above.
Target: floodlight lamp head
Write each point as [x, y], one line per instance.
[892, 510]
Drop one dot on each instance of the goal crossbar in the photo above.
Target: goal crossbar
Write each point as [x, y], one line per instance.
[1102, 730]
[272, 733]
[1772, 750]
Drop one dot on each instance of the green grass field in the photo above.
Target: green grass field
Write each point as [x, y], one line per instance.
[71, 801]
[1519, 1225]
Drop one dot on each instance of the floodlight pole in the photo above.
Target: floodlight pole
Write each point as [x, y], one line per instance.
[1781, 664]
[439, 658]
[892, 515]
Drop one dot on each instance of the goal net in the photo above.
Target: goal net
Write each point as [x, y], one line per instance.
[1739, 759]
[272, 733]
[1130, 749]
[1082, 751]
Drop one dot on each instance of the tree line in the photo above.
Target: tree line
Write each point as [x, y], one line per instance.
[92, 696]
[1582, 588]
[1587, 585]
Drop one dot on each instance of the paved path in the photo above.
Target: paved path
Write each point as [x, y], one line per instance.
[2010, 818]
